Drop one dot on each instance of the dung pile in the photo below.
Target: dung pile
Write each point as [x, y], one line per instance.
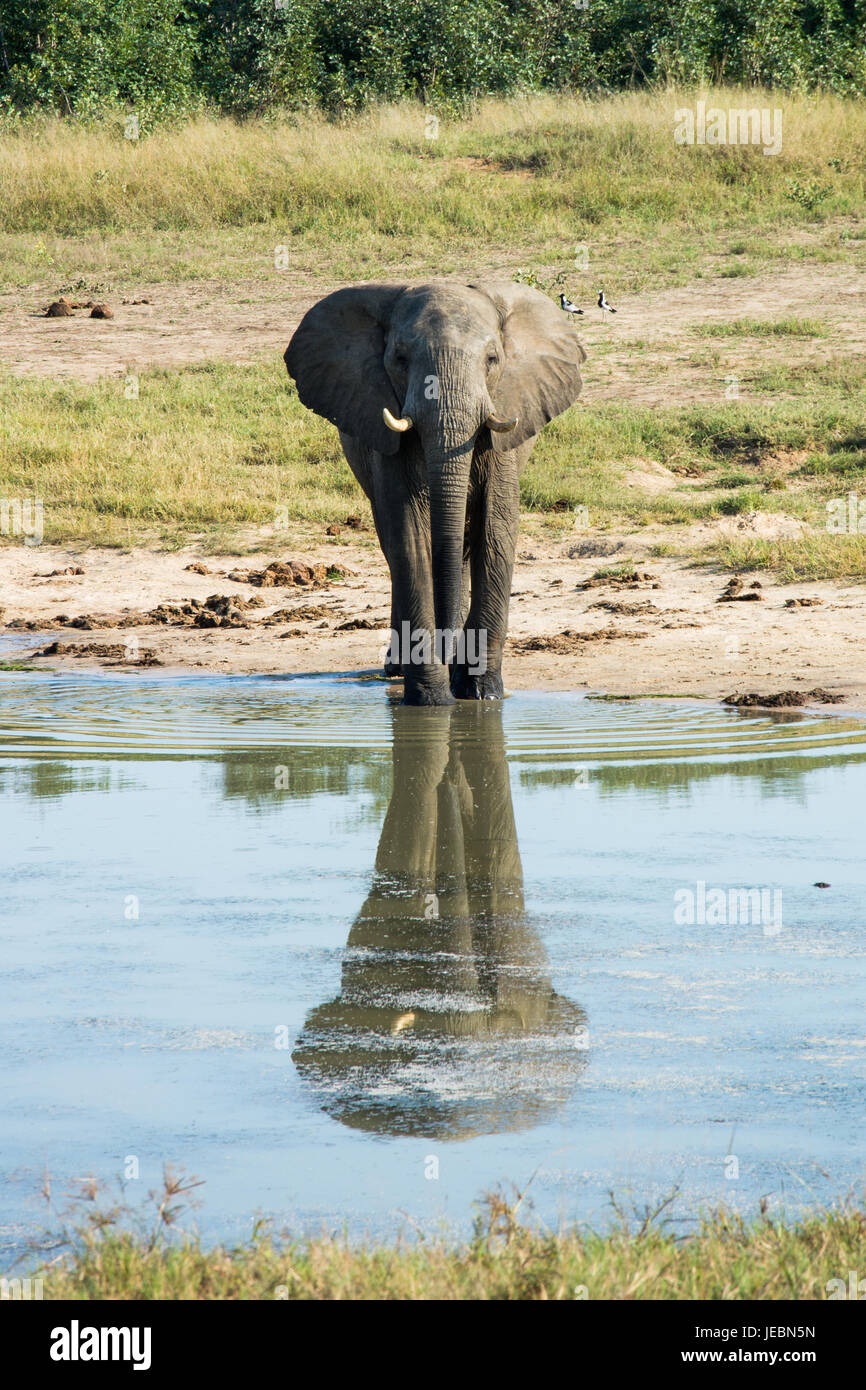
[733, 592]
[220, 610]
[621, 579]
[304, 613]
[565, 643]
[784, 699]
[112, 653]
[286, 574]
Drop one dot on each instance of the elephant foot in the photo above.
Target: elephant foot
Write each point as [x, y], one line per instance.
[426, 686]
[427, 695]
[487, 686]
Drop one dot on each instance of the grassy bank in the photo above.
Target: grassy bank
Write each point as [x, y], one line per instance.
[226, 456]
[526, 179]
[727, 1258]
[562, 188]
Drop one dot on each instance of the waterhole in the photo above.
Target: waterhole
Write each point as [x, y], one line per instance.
[354, 964]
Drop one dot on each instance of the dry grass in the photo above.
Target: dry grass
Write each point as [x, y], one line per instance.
[115, 1256]
[526, 177]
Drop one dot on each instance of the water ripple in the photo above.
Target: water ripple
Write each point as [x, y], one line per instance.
[92, 714]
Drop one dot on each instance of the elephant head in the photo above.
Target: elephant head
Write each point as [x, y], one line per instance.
[452, 366]
[447, 1023]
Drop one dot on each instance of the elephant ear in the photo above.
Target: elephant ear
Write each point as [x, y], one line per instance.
[541, 377]
[336, 358]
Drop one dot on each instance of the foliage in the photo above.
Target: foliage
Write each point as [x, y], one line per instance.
[80, 56]
[254, 55]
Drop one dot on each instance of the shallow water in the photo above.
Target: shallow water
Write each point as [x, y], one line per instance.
[354, 964]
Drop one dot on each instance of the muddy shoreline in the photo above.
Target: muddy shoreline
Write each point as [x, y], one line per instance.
[669, 627]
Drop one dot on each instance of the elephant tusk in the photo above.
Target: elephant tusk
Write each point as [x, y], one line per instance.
[500, 426]
[397, 425]
[404, 1021]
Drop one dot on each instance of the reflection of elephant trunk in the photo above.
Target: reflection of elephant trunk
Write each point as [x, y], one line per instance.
[447, 1023]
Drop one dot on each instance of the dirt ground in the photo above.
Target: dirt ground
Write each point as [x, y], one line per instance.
[665, 633]
[245, 320]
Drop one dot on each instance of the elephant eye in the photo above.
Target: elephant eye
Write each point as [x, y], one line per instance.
[400, 359]
[492, 359]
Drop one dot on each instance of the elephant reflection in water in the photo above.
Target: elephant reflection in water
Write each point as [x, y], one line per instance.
[447, 1024]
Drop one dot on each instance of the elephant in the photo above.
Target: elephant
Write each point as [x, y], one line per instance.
[439, 391]
[446, 1024]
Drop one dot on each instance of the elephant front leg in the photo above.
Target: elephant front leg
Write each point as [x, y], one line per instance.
[393, 669]
[365, 463]
[425, 677]
[477, 674]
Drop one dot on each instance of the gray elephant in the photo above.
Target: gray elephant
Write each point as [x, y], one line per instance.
[439, 391]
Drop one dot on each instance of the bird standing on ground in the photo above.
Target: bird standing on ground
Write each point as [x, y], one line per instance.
[566, 305]
[603, 304]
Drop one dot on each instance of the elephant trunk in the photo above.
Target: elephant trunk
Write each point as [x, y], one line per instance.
[449, 485]
[446, 406]
[449, 422]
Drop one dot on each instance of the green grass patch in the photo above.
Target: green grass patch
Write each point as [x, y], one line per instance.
[816, 556]
[226, 457]
[209, 451]
[843, 376]
[765, 328]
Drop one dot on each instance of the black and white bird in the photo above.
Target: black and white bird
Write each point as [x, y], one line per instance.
[603, 304]
[566, 305]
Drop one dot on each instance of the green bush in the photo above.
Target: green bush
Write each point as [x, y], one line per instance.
[81, 56]
[253, 55]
